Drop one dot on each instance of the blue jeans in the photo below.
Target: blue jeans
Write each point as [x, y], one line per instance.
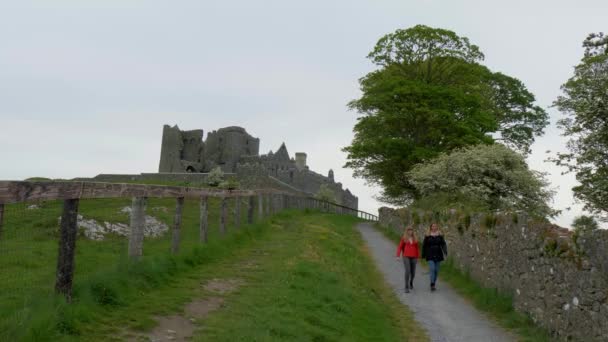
[434, 270]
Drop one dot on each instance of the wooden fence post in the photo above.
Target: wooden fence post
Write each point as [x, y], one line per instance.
[223, 210]
[250, 209]
[237, 211]
[138, 221]
[1, 218]
[204, 224]
[177, 225]
[268, 200]
[273, 205]
[260, 206]
[67, 248]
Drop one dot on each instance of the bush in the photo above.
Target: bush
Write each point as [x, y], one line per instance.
[326, 194]
[215, 177]
[493, 176]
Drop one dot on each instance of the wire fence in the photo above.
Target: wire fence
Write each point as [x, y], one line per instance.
[46, 243]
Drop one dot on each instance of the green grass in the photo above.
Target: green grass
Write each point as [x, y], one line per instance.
[497, 305]
[314, 280]
[104, 277]
[317, 283]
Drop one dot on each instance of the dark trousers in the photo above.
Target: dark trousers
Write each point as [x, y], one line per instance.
[410, 270]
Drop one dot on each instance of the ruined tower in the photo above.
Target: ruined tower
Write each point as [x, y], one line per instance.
[300, 160]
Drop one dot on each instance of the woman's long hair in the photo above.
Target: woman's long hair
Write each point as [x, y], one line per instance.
[406, 237]
[429, 231]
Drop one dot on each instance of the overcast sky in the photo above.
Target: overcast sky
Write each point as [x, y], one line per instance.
[85, 86]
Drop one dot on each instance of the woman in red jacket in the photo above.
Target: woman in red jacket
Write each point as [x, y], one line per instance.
[408, 247]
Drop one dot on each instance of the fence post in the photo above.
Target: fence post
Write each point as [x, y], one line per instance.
[67, 248]
[250, 210]
[272, 203]
[223, 209]
[204, 225]
[260, 206]
[268, 200]
[177, 225]
[1, 218]
[237, 211]
[138, 221]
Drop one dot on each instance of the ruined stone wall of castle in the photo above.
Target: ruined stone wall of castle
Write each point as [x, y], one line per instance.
[235, 151]
[311, 181]
[559, 279]
[304, 180]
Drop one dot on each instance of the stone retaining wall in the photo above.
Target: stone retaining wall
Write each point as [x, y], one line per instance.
[558, 278]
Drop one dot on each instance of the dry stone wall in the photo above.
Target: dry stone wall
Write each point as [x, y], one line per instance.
[558, 278]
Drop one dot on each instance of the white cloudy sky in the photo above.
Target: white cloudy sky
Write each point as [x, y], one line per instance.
[85, 86]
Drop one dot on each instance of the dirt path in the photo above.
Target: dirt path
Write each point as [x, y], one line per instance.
[444, 314]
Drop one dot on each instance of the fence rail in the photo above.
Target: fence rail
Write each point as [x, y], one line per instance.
[268, 202]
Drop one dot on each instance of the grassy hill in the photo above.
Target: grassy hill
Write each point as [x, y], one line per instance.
[313, 279]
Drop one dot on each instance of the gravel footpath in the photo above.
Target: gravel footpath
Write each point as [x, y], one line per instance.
[444, 314]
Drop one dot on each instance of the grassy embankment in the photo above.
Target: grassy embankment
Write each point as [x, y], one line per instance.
[497, 305]
[314, 280]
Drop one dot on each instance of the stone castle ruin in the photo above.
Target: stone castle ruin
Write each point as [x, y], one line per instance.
[237, 152]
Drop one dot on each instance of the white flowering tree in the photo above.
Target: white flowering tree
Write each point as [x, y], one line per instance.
[215, 177]
[494, 175]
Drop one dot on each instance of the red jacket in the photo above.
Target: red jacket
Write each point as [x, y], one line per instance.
[408, 249]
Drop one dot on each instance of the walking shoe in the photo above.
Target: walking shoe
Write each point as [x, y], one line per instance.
[407, 290]
[412, 284]
[433, 287]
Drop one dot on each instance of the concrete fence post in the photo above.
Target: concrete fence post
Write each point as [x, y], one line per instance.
[251, 204]
[203, 220]
[67, 248]
[223, 209]
[237, 211]
[138, 222]
[177, 225]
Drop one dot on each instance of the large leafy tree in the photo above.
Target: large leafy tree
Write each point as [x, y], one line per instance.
[585, 104]
[430, 95]
[492, 175]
